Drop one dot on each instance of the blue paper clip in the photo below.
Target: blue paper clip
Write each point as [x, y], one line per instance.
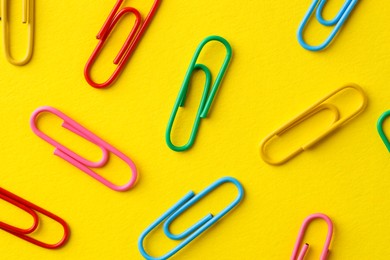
[207, 97]
[194, 231]
[337, 22]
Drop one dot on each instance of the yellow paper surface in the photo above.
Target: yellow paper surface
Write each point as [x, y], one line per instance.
[271, 79]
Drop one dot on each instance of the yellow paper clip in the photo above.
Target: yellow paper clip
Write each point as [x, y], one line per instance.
[313, 110]
[27, 17]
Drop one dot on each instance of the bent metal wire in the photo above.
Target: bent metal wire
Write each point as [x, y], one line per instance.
[208, 96]
[32, 209]
[75, 159]
[381, 131]
[313, 110]
[128, 47]
[317, 6]
[198, 228]
[300, 252]
[27, 17]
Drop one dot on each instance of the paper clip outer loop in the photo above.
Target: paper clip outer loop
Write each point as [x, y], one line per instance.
[299, 253]
[28, 17]
[129, 46]
[32, 207]
[320, 105]
[197, 229]
[317, 7]
[207, 96]
[75, 159]
[381, 131]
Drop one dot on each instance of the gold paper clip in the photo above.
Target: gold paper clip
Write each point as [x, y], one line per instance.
[27, 17]
[313, 110]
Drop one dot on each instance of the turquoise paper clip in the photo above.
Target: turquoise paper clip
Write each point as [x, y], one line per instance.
[194, 231]
[207, 97]
[318, 6]
[381, 132]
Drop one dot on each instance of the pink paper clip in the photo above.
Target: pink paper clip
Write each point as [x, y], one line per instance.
[75, 159]
[299, 253]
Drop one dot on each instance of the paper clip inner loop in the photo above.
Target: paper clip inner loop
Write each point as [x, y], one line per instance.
[32, 209]
[194, 231]
[300, 252]
[317, 6]
[27, 17]
[75, 159]
[320, 105]
[129, 46]
[23, 207]
[208, 95]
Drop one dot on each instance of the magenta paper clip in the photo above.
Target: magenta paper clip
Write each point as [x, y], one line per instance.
[75, 159]
[299, 253]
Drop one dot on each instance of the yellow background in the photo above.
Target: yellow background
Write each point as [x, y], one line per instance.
[271, 79]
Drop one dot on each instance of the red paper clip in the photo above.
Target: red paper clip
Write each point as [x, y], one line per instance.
[31, 209]
[129, 46]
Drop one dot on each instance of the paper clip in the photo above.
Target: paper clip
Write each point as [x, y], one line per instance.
[313, 110]
[75, 159]
[31, 209]
[207, 97]
[381, 132]
[318, 6]
[28, 17]
[299, 253]
[129, 46]
[194, 231]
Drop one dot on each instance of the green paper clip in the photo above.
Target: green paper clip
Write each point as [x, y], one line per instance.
[381, 132]
[207, 96]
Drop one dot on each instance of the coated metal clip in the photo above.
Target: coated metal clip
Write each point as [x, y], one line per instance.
[317, 6]
[129, 46]
[316, 108]
[31, 209]
[194, 231]
[381, 131]
[207, 97]
[28, 17]
[300, 252]
[75, 159]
